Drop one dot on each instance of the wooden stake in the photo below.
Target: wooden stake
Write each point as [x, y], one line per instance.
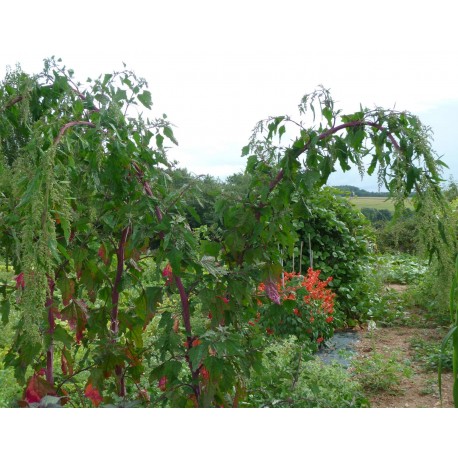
[310, 252]
[300, 259]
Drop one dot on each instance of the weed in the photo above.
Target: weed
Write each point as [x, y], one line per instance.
[428, 354]
[378, 372]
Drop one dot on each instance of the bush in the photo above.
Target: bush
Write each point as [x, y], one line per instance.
[292, 378]
[342, 245]
[399, 234]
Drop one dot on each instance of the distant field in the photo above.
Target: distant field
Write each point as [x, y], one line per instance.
[380, 203]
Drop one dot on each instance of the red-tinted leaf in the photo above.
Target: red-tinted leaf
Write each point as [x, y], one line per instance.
[204, 373]
[144, 395]
[37, 388]
[162, 384]
[20, 282]
[176, 325]
[168, 274]
[64, 364]
[67, 288]
[103, 255]
[76, 314]
[93, 394]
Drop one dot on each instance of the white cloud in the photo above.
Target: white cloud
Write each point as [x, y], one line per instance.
[218, 67]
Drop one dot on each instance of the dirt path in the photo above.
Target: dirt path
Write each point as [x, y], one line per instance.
[420, 389]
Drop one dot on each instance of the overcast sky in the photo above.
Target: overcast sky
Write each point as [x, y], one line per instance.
[216, 68]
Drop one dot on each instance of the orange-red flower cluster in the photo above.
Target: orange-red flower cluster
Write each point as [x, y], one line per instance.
[314, 300]
[316, 289]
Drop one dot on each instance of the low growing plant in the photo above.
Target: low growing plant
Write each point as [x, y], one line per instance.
[292, 378]
[378, 372]
[431, 356]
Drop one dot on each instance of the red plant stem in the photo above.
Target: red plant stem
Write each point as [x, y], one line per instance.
[120, 255]
[14, 101]
[184, 305]
[52, 327]
[330, 132]
[185, 309]
[71, 124]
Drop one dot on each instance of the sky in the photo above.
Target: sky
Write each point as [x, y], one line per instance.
[216, 68]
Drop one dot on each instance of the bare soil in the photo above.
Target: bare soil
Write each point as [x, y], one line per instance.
[421, 388]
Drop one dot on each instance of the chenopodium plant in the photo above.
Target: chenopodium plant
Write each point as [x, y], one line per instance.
[297, 305]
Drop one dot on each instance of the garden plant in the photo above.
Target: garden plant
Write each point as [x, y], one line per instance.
[117, 299]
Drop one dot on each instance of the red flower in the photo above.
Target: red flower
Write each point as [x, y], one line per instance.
[329, 319]
[296, 312]
[320, 339]
[269, 331]
[93, 394]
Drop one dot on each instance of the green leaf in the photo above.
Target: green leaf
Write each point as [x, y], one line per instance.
[153, 295]
[246, 150]
[193, 213]
[61, 335]
[67, 288]
[106, 78]
[195, 355]
[445, 340]
[168, 132]
[327, 113]
[145, 99]
[175, 258]
[5, 311]
[211, 248]
[212, 267]
[372, 166]
[159, 140]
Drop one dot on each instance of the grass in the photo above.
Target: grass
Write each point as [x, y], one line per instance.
[379, 203]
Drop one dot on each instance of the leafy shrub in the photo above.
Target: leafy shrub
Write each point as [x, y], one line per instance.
[341, 240]
[378, 217]
[291, 378]
[399, 234]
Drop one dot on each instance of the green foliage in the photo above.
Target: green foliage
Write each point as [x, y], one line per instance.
[400, 234]
[430, 355]
[402, 268]
[291, 378]
[341, 243]
[10, 390]
[102, 244]
[378, 372]
[377, 216]
[355, 191]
